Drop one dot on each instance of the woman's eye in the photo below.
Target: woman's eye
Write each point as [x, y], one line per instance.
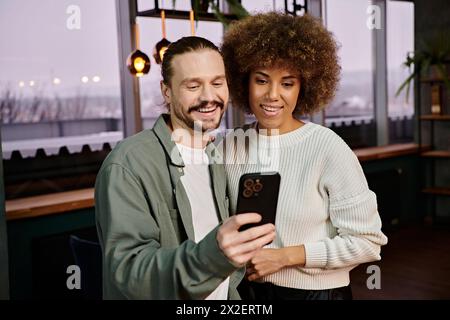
[261, 81]
[217, 84]
[288, 84]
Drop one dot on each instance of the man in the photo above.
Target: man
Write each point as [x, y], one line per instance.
[162, 219]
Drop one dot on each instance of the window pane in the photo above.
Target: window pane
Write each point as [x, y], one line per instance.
[152, 103]
[400, 41]
[59, 93]
[347, 19]
[265, 5]
[60, 73]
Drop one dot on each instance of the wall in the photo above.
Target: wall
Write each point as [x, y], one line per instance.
[36, 268]
[396, 184]
[433, 16]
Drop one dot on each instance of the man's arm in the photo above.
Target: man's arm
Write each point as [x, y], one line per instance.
[137, 266]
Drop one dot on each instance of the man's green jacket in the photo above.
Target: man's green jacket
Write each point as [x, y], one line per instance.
[145, 227]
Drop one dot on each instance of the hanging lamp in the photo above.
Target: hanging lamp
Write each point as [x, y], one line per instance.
[163, 44]
[191, 19]
[138, 62]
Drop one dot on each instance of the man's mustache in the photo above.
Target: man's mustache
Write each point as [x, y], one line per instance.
[204, 104]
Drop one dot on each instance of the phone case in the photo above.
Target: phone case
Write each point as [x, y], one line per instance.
[258, 192]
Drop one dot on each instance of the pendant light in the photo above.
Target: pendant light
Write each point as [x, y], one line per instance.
[163, 44]
[138, 62]
[191, 19]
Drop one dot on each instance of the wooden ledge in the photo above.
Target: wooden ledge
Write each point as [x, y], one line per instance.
[81, 199]
[49, 204]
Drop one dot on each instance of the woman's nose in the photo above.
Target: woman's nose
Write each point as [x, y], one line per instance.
[273, 92]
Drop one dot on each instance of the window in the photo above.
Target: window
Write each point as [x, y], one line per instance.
[60, 73]
[400, 41]
[351, 113]
[152, 102]
[59, 92]
[264, 5]
[347, 20]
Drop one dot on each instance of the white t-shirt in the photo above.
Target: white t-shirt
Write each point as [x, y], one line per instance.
[197, 182]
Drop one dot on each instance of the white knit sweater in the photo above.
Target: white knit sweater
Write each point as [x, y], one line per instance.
[324, 203]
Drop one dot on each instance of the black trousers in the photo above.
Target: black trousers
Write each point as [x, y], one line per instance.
[268, 291]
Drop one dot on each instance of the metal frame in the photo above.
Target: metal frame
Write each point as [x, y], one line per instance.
[129, 85]
[296, 7]
[4, 273]
[234, 117]
[184, 15]
[379, 42]
[316, 8]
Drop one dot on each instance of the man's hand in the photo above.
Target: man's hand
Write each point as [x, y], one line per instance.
[240, 247]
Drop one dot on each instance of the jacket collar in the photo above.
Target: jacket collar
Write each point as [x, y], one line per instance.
[164, 134]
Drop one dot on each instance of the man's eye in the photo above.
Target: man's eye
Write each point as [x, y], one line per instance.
[192, 87]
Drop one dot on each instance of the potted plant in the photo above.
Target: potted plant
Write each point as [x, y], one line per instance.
[431, 61]
[200, 5]
[235, 7]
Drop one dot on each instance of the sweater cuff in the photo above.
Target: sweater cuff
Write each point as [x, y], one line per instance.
[316, 255]
[214, 259]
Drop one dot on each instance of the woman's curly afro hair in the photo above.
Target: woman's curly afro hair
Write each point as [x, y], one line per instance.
[301, 44]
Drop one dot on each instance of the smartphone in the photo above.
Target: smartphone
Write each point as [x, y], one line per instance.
[258, 192]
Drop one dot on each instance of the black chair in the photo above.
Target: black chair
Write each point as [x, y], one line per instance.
[88, 256]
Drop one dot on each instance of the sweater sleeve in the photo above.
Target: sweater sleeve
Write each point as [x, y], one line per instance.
[353, 212]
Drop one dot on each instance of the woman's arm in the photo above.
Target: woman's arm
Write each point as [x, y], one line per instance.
[352, 209]
[268, 261]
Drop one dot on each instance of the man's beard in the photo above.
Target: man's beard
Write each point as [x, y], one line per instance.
[193, 124]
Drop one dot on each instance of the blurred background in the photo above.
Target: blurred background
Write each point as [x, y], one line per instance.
[67, 98]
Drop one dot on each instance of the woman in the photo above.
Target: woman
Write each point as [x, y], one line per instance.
[279, 67]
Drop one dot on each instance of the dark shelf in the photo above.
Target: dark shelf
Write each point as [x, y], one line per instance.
[183, 15]
[436, 154]
[437, 191]
[432, 80]
[435, 117]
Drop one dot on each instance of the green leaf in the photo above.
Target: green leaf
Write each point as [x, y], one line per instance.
[435, 50]
[407, 84]
[220, 16]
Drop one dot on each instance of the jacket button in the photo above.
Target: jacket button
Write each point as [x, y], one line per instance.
[180, 170]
